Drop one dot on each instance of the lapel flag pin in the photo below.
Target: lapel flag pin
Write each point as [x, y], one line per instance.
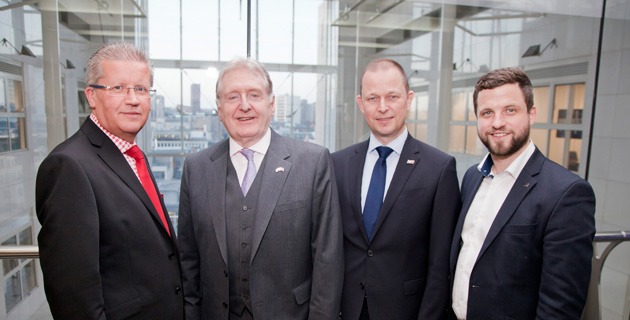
[526, 185]
[410, 161]
[279, 169]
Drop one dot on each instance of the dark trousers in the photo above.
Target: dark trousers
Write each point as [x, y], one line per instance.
[364, 311]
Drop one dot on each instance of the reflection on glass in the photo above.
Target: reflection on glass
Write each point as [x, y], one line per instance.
[474, 146]
[4, 134]
[9, 264]
[14, 96]
[457, 138]
[29, 279]
[568, 104]
[541, 102]
[3, 99]
[16, 131]
[540, 138]
[26, 237]
[12, 291]
[458, 109]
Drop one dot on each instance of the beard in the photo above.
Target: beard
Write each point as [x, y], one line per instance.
[506, 148]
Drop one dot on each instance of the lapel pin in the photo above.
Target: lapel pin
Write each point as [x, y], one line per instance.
[526, 185]
[279, 169]
[410, 161]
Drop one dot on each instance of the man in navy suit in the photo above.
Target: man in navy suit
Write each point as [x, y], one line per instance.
[523, 243]
[397, 264]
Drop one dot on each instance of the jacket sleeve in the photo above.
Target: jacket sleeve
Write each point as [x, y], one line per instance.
[189, 254]
[446, 206]
[567, 254]
[326, 244]
[67, 210]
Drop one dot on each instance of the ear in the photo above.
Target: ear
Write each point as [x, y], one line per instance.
[410, 95]
[273, 104]
[360, 104]
[90, 95]
[532, 115]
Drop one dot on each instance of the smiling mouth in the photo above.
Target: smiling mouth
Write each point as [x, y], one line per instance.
[499, 134]
[245, 118]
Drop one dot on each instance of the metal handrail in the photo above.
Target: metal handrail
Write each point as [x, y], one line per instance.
[591, 310]
[613, 238]
[15, 252]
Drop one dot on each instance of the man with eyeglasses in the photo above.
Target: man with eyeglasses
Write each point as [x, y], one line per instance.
[107, 246]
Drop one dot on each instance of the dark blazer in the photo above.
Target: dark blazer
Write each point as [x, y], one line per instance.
[296, 264]
[103, 250]
[535, 262]
[403, 271]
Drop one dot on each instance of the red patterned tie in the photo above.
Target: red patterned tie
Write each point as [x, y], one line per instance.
[147, 183]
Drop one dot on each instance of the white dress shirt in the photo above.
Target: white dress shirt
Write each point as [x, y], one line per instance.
[481, 214]
[371, 158]
[240, 161]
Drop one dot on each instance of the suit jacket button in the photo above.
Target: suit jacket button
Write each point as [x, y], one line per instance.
[171, 255]
[178, 290]
[225, 273]
[362, 285]
[225, 305]
[370, 253]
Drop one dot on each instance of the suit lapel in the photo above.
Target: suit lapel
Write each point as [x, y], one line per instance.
[399, 180]
[271, 187]
[522, 186]
[113, 158]
[216, 174]
[355, 165]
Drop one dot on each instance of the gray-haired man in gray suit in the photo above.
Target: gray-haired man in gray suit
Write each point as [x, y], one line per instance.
[259, 223]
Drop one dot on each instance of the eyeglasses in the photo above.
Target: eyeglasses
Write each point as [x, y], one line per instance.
[140, 91]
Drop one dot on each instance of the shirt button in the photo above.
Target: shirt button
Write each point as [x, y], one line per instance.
[370, 253]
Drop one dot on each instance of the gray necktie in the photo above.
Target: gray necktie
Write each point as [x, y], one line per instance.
[250, 174]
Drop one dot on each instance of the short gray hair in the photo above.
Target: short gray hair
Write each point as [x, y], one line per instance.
[248, 64]
[119, 51]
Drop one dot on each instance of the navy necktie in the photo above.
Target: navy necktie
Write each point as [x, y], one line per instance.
[376, 191]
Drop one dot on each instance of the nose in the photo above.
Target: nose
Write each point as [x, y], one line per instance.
[382, 106]
[132, 97]
[244, 105]
[498, 121]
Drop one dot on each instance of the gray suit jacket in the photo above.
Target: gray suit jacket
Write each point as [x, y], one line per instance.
[296, 266]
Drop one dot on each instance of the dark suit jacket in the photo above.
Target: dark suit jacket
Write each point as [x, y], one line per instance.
[536, 260]
[103, 250]
[403, 272]
[296, 265]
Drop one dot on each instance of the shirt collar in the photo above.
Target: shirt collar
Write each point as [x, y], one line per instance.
[259, 147]
[396, 144]
[122, 144]
[514, 169]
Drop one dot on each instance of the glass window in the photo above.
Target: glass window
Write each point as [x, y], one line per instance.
[12, 291]
[12, 116]
[9, 264]
[541, 102]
